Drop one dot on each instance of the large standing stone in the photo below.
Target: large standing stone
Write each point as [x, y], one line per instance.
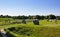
[36, 21]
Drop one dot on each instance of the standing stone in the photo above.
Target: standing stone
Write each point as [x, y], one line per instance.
[36, 21]
[56, 20]
[23, 21]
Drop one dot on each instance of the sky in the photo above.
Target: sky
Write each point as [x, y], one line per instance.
[29, 7]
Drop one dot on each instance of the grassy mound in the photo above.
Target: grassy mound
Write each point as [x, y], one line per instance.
[36, 31]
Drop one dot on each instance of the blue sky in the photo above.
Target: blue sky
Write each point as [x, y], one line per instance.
[29, 7]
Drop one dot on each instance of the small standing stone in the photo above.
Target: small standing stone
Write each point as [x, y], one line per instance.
[23, 21]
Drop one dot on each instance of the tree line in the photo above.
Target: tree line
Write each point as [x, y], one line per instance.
[51, 16]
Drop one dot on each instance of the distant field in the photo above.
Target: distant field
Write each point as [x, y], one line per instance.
[45, 29]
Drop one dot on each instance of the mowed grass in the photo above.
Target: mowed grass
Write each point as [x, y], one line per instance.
[49, 23]
[45, 29]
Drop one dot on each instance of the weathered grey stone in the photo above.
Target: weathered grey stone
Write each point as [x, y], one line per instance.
[23, 21]
[36, 21]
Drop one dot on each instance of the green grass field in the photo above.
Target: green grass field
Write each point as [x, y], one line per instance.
[45, 29]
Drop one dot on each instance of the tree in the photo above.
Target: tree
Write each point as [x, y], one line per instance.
[38, 17]
[58, 17]
[1, 16]
[51, 16]
[30, 17]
